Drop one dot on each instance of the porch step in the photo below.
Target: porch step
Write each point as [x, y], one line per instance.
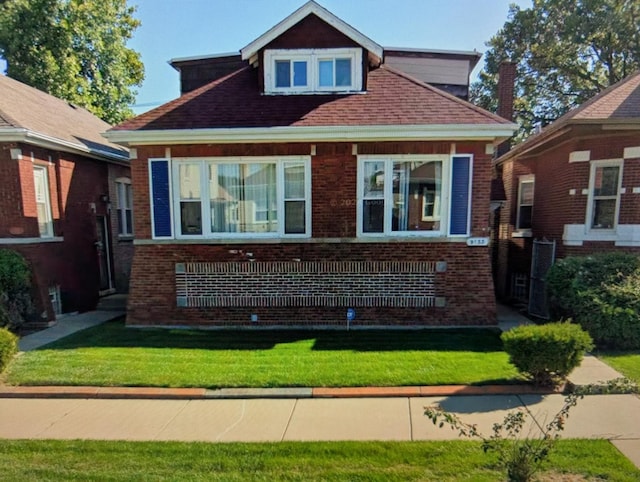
[117, 302]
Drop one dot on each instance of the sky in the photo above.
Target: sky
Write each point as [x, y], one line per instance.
[187, 28]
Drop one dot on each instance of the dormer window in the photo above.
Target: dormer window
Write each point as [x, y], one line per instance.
[308, 71]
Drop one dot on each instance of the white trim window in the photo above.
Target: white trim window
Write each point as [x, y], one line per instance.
[43, 201]
[605, 182]
[403, 195]
[124, 208]
[313, 70]
[526, 189]
[242, 197]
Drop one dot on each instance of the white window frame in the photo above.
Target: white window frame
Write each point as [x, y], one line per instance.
[524, 180]
[592, 198]
[312, 57]
[48, 221]
[203, 163]
[121, 186]
[387, 232]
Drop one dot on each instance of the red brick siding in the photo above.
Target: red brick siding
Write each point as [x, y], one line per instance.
[554, 207]
[466, 285]
[74, 183]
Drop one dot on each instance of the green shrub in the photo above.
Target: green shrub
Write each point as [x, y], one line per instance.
[602, 294]
[15, 289]
[546, 353]
[8, 347]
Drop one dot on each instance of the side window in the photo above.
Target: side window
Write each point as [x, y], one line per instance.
[43, 201]
[604, 194]
[125, 207]
[526, 189]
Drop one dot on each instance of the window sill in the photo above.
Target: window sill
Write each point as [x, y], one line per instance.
[125, 237]
[49, 239]
[522, 233]
[622, 235]
[351, 240]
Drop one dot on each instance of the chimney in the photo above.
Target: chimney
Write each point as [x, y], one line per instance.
[506, 85]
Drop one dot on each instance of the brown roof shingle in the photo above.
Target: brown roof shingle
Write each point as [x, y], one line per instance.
[24, 107]
[619, 102]
[392, 98]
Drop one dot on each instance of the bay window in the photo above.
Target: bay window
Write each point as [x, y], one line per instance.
[238, 197]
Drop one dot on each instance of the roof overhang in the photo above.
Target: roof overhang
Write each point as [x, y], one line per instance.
[18, 134]
[309, 8]
[494, 133]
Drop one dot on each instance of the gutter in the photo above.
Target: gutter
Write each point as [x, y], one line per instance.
[477, 132]
[20, 134]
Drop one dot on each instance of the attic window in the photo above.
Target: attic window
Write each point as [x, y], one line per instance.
[307, 71]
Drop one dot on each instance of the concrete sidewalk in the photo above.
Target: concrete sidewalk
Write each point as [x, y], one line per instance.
[613, 417]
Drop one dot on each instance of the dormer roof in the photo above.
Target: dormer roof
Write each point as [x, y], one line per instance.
[309, 8]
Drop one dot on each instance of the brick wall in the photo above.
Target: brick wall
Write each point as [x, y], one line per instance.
[75, 184]
[465, 288]
[554, 206]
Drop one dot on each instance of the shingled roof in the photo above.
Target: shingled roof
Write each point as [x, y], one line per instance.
[617, 104]
[32, 116]
[392, 99]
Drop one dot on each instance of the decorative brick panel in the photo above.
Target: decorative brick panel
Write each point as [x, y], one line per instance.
[259, 284]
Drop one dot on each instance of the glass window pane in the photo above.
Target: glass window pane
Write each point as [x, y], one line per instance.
[283, 73]
[374, 179]
[606, 181]
[190, 217]
[294, 217]
[258, 210]
[343, 72]
[294, 181]
[300, 74]
[416, 190]
[121, 227]
[524, 221]
[526, 192]
[189, 181]
[604, 211]
[129, 221]
[224, 192]
[325, 68]
[373, 216]
[128, 203]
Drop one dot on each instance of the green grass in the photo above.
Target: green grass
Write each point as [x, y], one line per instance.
[627, 363]
[352, 461]
[112, 355]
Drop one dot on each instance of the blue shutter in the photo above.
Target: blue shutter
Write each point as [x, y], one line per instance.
[460, 191]
[160, 198]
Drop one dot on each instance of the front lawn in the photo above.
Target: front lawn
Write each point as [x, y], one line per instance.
[384, 461]
[627, 363]
[112, 355]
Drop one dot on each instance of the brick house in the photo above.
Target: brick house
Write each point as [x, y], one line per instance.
[308, 177]
[65, 199]
[577, 183]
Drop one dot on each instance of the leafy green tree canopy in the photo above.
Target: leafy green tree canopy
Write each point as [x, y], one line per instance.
[566, 51]
[75, 50]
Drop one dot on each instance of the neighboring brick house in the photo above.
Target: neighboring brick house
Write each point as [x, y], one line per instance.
[577, 183]
[312, 179]
[65, 199]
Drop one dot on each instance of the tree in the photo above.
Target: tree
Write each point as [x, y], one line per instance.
[75, 50]
[566, 51]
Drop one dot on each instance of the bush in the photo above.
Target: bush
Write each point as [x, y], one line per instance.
[15, 289]
[548, 352]
[8, 347]
[602, 294]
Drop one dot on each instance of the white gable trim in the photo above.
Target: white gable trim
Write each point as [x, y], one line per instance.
[308, 8]
[479, 132]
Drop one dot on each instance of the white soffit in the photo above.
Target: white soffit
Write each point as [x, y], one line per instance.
[308, 8]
